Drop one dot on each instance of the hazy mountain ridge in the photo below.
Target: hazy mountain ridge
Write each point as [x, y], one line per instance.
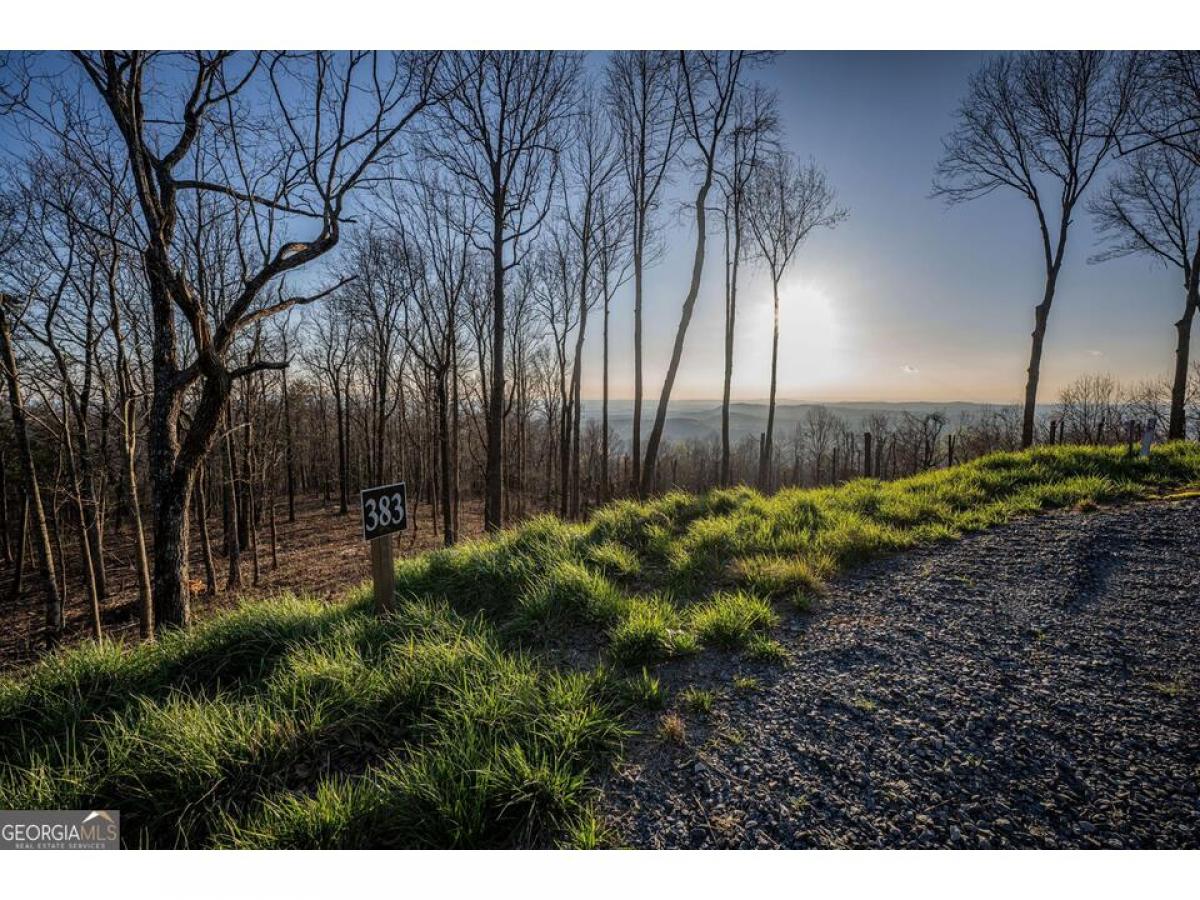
[701, 419]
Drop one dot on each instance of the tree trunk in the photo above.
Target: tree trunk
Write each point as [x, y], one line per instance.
[635, 449]
[18, 582]
[493, 508]
[448, 535]
[604, 413]
[4, 525]
[252, 499]
[140, 557]
[343, 455]
[274, 533]
[210, 571]
[288, 453]
[93, 522]
[1041, 316]
[81, 500]
[764, 464]
[577, 366]
[576, 375]
[723, 477]
[689, 304]
[564, 442]
[1176, 428]
[454, 449]
[233, 542]
[170, 587]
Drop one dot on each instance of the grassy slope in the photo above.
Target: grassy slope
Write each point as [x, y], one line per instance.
[295, 723]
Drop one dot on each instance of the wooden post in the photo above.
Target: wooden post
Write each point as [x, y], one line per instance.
[1129, 429]
[383, 573]
[1053, 429]
[949, 450]
[867, 454]
[1147, 437]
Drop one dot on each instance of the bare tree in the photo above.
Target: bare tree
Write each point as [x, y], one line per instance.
[786, 201]
[310, 164]
[613, 269]
[1040, 124]
[556, 290]
[68, 334]
[1167, 107]
[642, 88]
[709, 82]
[376, 297]
[438, 272]
[755, 122]
[11, 309]
[591, 166]
[1150, 207]
[501, 133]
[1086, 406]
[820, 426]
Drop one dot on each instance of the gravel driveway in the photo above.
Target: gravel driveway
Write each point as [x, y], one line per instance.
[1035, 685]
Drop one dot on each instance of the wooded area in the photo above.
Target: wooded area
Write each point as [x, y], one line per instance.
[238, 286]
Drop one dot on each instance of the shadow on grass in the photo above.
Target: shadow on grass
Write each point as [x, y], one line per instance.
[63, 696]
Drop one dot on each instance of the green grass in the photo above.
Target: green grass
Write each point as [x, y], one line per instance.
[746, 683]
[294, 723]
[698, 700]
[645, 632]
[644, 690]
[417, 730]
[731, 620]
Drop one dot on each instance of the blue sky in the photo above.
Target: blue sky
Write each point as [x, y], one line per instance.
[907, 299]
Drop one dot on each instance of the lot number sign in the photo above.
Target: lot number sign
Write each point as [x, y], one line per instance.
[384, 512]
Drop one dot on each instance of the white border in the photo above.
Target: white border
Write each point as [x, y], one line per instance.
[611, 24]
[927, 875]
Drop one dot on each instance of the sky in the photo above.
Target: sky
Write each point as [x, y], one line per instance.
[908, 299]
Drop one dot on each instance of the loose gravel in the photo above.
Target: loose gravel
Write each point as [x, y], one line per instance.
[1035, 685]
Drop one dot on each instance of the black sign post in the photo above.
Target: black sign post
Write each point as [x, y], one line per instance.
[384, 512]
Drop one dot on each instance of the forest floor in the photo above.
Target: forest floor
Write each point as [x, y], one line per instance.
[1035, 685]
[321, 554]
[911, 663]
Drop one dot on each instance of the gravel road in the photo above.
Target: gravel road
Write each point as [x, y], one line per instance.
[1036, 685]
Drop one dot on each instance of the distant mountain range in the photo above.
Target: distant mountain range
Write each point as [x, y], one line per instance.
[701, 419]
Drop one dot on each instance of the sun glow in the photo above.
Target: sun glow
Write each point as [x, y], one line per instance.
[811, 357]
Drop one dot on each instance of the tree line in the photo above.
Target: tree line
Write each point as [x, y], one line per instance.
[232, 280]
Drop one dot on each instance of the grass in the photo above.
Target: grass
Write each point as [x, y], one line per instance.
[294, 723]
[672, 729]
[766, 649]
[698, 700]
[865, 704]
[746, 684]
[643, 690]
[731, 620]
[1173, 688]
[647, 630]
